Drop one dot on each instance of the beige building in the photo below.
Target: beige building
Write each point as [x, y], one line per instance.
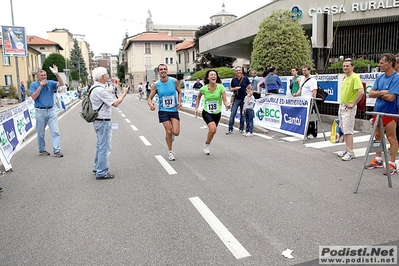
[64, 38]
[45, 47]
[144, 52]
[186, 58]
[186, 54]
[27, 67]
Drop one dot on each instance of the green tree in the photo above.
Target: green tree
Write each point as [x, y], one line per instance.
[77, 62]
[280, 42]
[224, 72]
[53, 59]
[208, 60]
[120, 72]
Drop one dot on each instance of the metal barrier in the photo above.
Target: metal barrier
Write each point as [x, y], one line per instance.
[314, 117]
[377, 146]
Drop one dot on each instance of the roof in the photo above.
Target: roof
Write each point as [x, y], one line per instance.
[223, 13]
[185, 45]
[175, 27]
[34, 40]
[152, 37]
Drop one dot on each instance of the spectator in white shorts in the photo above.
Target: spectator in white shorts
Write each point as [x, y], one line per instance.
[351, 93]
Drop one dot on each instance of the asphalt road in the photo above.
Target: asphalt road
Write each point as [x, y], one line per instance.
[244, 204]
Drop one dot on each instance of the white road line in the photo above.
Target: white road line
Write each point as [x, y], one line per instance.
[134, 128]
[319, 135]
[325, 144]
[123, 115]
[223, 233]
[145, 141]
[263, 136]
[166, 165]
[127, 120]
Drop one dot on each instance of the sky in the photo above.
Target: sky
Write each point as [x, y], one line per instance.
[105, 23]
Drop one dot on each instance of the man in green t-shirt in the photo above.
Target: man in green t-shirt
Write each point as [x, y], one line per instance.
[296, 80]
[351, 93]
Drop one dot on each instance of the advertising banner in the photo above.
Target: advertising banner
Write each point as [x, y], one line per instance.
[14, 41]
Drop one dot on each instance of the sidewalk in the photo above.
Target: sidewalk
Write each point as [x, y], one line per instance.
[6, 104]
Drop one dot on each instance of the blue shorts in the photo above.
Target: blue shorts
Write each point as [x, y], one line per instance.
[167, 116]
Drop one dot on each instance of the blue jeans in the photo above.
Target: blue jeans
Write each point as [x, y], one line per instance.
[47, 117]
[234, 108]
[249, 118]
[103, 130]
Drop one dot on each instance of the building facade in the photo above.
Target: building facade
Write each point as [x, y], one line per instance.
[186, 59]
[144, 52]
[66, 39]
[27, 68]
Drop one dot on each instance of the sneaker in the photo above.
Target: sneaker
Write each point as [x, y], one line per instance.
[374, 164]
[171, 156]
[107, 176]
[342, 153]
[249, 134]
[44, 153]
[244, 133]
[310, 136]
[229, 132]
[348, 156]
[392, 169]
[207, 150]
[58, 155]
[241, 131]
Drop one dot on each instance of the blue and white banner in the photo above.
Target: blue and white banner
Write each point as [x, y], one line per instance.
[281, 113]
[17, 122]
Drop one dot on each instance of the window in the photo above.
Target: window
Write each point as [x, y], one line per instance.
[42, 48]
[166, 61]
[42, 58]
[8, 79]
[179, 58]
[193, 56]
[147, 48]
[6, 60]
[168, 47]
[171, 60]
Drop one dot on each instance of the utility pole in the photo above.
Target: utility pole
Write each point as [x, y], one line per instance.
[16, 60]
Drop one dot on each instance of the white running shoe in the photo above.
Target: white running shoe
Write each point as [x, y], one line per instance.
[348, 156]
[171, 156]
[207, 150]
[249, 134]
[310, 136]
[342, 153]
[244, 133]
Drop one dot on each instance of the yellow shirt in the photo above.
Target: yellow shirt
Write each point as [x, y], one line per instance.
[350, 87]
